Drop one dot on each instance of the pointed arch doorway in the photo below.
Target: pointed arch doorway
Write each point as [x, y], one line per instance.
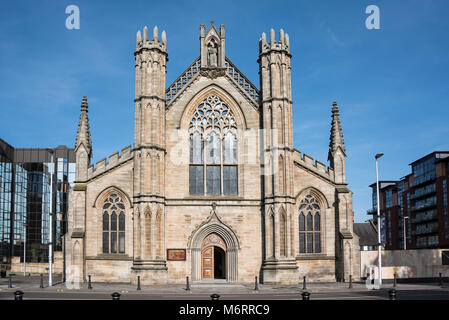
[221, 257]
[213, 257]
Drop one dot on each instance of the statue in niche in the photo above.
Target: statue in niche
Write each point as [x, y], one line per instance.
[212, 54]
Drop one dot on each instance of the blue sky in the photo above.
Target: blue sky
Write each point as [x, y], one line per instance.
[391, 84]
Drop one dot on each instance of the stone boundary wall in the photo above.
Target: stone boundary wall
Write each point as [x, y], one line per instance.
[425, 263]
[38, 267]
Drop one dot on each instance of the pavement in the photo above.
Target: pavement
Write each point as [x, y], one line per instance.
[30, 285]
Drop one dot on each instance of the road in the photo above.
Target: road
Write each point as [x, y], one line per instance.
[349, 295]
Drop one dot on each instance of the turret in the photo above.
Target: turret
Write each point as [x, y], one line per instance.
[276, 108]
[149, 152]
[277, 163]
[151, 59]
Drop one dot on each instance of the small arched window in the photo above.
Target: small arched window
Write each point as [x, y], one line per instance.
[113, 225]
[213, 149]
[309, 225]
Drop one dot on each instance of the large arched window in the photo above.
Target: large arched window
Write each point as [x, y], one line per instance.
[213, 149]
[113, 225]
[309, 225]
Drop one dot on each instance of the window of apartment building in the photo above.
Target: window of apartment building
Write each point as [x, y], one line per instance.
[389, 198]
[374, 198]
[424, 171]
[445, 210]
[32, 209]
[409, 225]
[5, 205]
[400, 187]
[390, 240]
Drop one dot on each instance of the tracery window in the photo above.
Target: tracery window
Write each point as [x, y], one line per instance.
[213, 149]
[309, 225]
[113, 225]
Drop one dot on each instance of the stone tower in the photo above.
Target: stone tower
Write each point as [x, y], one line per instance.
[149, 157]
[279, 263]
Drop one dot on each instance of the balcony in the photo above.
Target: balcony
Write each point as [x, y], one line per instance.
[426, 229]
[422, 179]
[425, 216]
[427, 242]
[425, 204]
[431, 189]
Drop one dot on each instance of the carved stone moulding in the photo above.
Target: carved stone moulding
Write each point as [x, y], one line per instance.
[212, 73]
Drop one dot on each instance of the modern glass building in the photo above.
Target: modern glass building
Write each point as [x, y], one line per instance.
[25, 185]
[414, 210]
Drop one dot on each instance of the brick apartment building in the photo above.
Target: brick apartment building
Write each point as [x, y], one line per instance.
[415, 207]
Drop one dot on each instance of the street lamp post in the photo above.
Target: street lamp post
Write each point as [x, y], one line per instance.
[405, 238]
[50, 245]
[379, 244]
[24, 248]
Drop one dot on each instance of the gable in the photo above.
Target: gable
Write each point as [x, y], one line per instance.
[234, 75]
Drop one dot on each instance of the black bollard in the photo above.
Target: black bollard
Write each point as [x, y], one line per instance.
[89, 284]
[42, 281]
[441, 280]
[392, 294]
[187, 284]
[138, 283]
[18, 295]
[215, 296]
[304, 287]
[305, 295]
[350, 281]
[10, 281]
[256, 284]
[394, 280]
[116, 296]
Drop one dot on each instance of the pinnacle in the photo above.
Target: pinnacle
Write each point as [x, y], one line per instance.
[83, 134]
[336, 138]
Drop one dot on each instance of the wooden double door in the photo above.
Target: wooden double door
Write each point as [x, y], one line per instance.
[213, 258]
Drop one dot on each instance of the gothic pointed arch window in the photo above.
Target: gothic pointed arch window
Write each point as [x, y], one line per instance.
[309, 225]
[213, 149]
[113, 224]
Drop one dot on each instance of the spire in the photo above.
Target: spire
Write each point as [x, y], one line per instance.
[83, 134]
[336, 138]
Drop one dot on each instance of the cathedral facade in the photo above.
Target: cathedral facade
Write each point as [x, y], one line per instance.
[213, 189]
